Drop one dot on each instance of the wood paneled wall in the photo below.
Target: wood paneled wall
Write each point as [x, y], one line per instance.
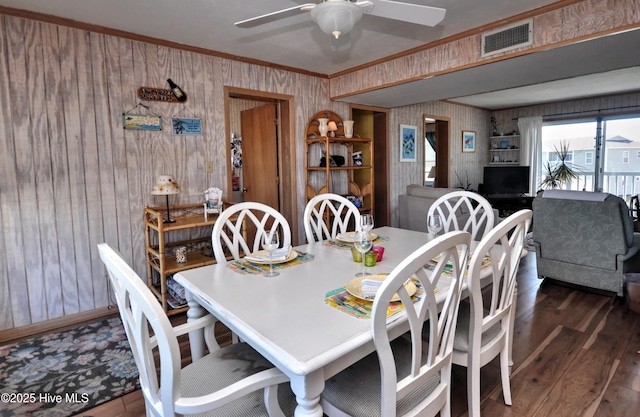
[573, 109]
[72, 177]
[464, 165]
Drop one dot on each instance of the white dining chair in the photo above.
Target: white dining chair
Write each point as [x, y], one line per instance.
[234, 380]
[240, 227]
[402, 377]
[485, 325]
[326, 215]
[464, 210]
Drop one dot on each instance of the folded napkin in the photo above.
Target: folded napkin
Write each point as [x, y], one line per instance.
[370, 287]
[176, 291]
[346, 236]
[353, 236]
[279, 255]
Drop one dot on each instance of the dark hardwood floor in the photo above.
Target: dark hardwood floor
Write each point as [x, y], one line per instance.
[576, 353]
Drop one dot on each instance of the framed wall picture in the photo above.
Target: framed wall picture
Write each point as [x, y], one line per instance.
[132, 121]
[182, 126]
[468, 141]
[408, 143]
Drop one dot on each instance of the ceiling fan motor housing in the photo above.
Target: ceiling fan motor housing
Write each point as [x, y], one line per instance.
[336, 17]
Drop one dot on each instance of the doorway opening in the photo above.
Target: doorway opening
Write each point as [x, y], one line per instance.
[263, 143]
[436, 151]
[373, 122]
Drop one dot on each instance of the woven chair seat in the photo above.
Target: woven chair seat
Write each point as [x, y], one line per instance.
[356, 390]
[231, 364]
[461, 340]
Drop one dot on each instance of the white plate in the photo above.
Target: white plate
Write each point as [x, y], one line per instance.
[354, 287]
[351, 236]
[292, 255]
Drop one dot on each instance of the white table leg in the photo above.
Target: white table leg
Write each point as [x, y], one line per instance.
[307, 390]
[196, 337]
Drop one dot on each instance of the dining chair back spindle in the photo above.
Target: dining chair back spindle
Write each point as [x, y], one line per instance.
[485, 324]
[240, 227]
[404, 377]
[234, 380]
[326, 215]
[464, 210]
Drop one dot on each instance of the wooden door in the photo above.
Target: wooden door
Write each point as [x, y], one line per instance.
[381, 170]
[260, 155]
[442, 154]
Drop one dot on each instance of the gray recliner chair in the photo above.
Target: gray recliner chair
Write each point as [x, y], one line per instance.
[584, 238]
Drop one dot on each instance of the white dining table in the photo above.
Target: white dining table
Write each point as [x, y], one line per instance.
[285, 318]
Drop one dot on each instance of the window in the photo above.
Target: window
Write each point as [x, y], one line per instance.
[608, 168]
[576, 138]
[588, 158]
[553, 157]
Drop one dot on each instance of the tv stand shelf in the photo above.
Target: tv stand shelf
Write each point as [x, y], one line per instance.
[508, 204]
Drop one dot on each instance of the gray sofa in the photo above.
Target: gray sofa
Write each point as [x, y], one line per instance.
[584, 238]
[414, 205]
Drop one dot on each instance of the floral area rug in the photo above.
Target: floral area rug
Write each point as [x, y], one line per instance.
[62, 374]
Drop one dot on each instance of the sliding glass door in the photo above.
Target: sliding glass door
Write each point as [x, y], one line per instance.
[621, 169]
[578, 137]
[603, 152]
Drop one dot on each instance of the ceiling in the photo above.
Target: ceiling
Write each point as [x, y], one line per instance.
[296, 42]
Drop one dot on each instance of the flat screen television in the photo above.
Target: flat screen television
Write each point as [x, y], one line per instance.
[509, 180]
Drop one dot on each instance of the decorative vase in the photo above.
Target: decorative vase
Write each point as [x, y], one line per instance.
[348, 128]
[324, 126]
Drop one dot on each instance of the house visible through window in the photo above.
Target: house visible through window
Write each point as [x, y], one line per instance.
[588, 158]
[553, 157]
[607, 168]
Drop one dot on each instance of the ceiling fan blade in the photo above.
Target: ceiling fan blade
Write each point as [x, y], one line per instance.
[406, 12]
[273, 16]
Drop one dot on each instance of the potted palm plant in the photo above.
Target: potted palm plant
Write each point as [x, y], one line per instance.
[560, 173]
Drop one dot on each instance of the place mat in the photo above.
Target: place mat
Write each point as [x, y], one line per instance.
[244, 267]
[335, 243]
[448, 269]
[356, 307]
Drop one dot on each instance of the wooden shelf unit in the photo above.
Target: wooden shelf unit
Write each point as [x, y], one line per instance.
[319, 179]
[161, 258]
[504, 150]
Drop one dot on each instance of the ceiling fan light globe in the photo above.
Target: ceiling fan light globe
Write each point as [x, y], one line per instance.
[336, 17]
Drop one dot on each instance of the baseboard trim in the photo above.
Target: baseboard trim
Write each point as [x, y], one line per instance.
[58, 324]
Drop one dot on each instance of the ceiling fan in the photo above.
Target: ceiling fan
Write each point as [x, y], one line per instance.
[337, 17]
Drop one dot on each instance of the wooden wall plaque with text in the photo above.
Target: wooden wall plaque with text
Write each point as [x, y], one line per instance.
[157, 94]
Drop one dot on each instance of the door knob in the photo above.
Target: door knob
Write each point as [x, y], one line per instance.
[244, 190]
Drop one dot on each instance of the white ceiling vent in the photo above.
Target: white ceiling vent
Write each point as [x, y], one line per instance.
[507, 38]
